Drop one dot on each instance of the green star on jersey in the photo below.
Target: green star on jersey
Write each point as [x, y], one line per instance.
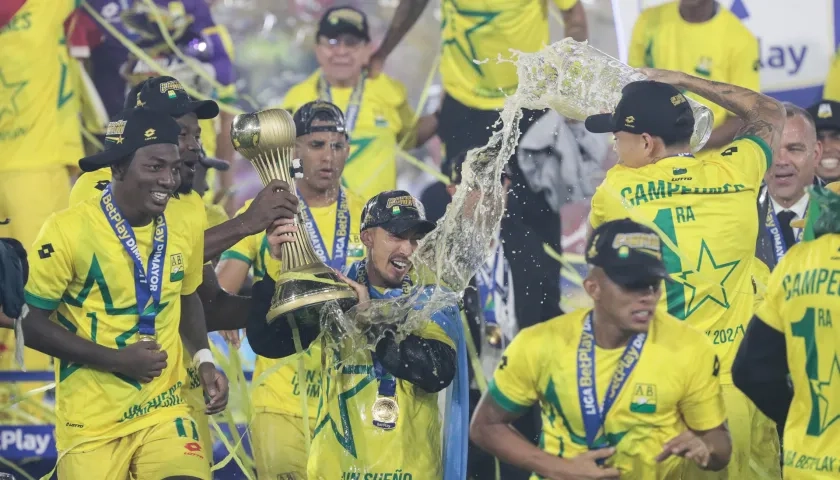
[8, 95]
[458, 25]
[708, 274]
[828, 391]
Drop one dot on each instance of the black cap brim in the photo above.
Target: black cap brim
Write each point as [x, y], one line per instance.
[99, 160]
[399, 226]
[210, 162]
[204, 109]
[635, 275]
[601, 123]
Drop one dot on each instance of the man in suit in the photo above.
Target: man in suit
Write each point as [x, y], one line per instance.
[518, 286]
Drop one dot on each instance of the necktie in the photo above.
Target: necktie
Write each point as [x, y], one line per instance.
[785, 217]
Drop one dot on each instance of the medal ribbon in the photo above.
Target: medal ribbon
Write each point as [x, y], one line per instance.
[387, 382]
[593, 414]
[774, 228]
[487, 285]
[342, 232]
[351, 113]
[146, 287]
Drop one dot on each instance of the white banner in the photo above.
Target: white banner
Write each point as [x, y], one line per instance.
[797, 39]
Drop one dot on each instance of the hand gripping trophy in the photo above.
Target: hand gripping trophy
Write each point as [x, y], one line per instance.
[267, 139]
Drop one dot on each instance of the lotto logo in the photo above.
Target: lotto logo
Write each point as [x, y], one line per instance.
[46, 251]
[193, 446]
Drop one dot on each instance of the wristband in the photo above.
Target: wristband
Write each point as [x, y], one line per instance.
[203, 356]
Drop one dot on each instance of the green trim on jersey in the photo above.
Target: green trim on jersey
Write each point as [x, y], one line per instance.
[504, 401]
[768, 153]
[234, 255]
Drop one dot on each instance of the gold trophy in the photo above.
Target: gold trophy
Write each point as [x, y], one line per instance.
[267, 139]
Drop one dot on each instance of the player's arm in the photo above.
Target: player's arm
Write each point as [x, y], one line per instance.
[763, 116]
[425, 358]
[223, 310]
[761, 370]
[511, 393]
[275, 339]
[273, 202]
[707, 442]
[404, 18]
[574, 19]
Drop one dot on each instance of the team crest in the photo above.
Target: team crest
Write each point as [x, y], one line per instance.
[355, 248]
[704, 66]
[677, 99]
[176, 267]
[824, 111]
[644, 398]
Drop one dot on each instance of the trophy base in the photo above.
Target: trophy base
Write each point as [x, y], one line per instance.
[303, 299]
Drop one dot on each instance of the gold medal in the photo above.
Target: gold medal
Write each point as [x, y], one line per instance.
[385, 412]
[148, 338]
[494, 335]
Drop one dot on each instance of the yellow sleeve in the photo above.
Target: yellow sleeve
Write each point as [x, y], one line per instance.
[751, 155]
[565, 4]
[770, 309]
[597, 209]
[638, 42]
[50, 267]
[216, 215]
[744, 65]
[515, 383]
[831, 91]
[702, 406]
[194, 274]
[408, 135]
[294, 98]
[432, 331]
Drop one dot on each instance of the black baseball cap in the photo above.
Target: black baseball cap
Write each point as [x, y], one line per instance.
[344, 21]
[318, 110]
[166, 94]
[630, 253]
[397, 212]
[131, 130]
[826, 114]
[650, 107]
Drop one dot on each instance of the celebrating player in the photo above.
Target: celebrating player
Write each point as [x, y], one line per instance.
[379, 410]
[331, 216]
[120, 276]
[793, 333]
[626, 409]
[706, 213]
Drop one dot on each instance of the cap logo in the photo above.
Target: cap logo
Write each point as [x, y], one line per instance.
[677, 99]
[644, 242]
[404, 201]
[170, 85]
[824, 111]
[629, 121]
[115, 128]
[150, 134]
[347, 15]
[140, 103]
[395, 210]
[593, 250]
[171, 94]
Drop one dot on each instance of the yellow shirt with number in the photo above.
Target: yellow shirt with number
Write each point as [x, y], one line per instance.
[385, 117]
[654, 406]
[80, 270]
[803, 301]
[705, 211]
[721, 49]
[278, 391]
[39, 106]
[475, 32]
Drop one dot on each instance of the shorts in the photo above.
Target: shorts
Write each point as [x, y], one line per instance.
[279, 445]
[169, 449]
[195, 403]
[755, 443]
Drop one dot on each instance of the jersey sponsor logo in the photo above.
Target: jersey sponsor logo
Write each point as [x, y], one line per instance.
[169, 398]
[176, 267]
[23, 440]
[74, 425]
[397, 474]
[644, 398]
[193, 446]
[46, 251]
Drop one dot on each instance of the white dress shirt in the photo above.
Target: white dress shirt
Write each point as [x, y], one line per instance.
[799, 209]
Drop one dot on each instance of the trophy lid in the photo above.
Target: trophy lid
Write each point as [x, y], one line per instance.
[265, 130]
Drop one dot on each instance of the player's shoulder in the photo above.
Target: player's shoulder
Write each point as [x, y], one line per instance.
[747, 145]
[671, 331]
[77, 217]
[657, 13]
[302, 92]
[388, 87]
[89, 185]
[734, 27]
[354, 200]
[804, 255]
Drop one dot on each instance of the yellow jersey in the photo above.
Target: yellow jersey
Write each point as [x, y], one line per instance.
[278, 391]
[654, 406]
[801, 301]
[831, 90]
[80, 269]
[705, 211]
[721, 49]
[384, 119]
[39, 105]
[476, 32]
